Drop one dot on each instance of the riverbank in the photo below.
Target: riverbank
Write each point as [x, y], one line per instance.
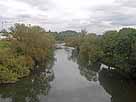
[29, 47]
[72, 82]
[114, 48]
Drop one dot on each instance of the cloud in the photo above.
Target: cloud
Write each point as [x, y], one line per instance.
[57, 15]
[40, 4]
[127, 3]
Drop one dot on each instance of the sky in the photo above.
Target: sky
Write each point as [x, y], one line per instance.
[95, 16]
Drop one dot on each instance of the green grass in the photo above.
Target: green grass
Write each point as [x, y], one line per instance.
[4, 44]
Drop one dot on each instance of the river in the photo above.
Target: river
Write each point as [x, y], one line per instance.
[70, 84]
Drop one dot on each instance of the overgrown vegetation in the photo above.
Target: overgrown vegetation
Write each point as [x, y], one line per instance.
[114, 48]
[4, 44]
[31, 47]
[60, 37]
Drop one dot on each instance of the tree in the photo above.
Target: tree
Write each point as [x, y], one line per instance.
[108, 44]
[32, 41]
[119, 49]
[113, 48]
[3, 31]
[30, 48]
[83, 32]
[90, 49]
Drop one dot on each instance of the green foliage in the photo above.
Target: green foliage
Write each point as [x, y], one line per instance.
[64, 34]
[12, 67]
[72, 41]
[30, 46]
[4, 44]
[119, 49]
[113, 48]
[108, 46]
[88, 45]
[90, 49]
[32, 41]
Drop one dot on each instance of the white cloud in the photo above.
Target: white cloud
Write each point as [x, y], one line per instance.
[94, 15]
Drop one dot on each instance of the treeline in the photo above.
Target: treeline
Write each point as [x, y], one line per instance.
[30, 47]
[60, 36]
[114, 48]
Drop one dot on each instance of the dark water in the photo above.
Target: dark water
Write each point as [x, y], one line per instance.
[73, 82]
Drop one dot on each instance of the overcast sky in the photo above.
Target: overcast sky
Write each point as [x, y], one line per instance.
[58, 15]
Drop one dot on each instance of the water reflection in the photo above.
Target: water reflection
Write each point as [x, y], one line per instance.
[29, 89]
[69, 85]
[119, 89]
[116, 86]
[26, 90]
[89, 71]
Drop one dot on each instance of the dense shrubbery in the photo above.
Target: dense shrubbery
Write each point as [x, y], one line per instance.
[30, 46]
[116, 49]
[120, 49]
[72, 41]
[89, 47]
[13, 67]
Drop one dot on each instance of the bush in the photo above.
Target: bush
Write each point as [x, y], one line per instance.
[30, 46]
[13, 67]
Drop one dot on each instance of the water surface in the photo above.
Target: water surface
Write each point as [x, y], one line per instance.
[73, 82]
[70, 86]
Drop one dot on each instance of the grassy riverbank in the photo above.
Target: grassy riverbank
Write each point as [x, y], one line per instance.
[4, 44]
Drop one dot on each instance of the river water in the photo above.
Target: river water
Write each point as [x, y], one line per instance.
[71, 83]
[70, 86]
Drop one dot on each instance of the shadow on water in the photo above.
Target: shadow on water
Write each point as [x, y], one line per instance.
[119, 88]
[69, 86]
[28, 89]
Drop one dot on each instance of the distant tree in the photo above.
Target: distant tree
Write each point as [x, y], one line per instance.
[65, 34]
[3, 31]
[83, 32]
